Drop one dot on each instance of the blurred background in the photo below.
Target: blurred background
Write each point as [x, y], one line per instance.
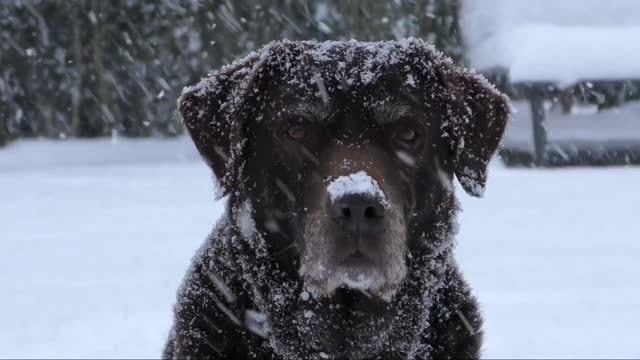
[91, 68]
[104, 199]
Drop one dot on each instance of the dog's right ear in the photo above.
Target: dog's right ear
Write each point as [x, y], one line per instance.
[477, 115]
[215, 113]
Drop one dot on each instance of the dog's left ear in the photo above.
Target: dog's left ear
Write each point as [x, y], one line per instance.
[476, 115]
[216, 113]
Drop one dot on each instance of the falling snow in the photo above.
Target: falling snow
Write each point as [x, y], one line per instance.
[547, 252]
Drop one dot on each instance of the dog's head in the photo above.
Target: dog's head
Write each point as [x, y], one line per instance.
[343, 148]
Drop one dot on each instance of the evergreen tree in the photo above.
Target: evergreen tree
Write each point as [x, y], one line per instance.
[88, 68]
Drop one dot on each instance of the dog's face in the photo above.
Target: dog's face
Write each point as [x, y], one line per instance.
[352, 162]
[339, 171]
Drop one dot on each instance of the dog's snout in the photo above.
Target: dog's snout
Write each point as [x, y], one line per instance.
[357, 212]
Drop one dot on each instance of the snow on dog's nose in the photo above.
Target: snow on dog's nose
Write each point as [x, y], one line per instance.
[357, 183]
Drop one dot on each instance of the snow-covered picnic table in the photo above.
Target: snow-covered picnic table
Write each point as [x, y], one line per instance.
[544, 47]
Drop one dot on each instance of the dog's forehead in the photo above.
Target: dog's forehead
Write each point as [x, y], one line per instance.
[385, 99]
[292, 106]
[365, 73]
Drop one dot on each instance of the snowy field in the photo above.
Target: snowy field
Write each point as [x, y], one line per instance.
[95, 237]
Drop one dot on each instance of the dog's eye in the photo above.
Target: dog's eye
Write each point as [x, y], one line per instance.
[406, 134]
[296, 132]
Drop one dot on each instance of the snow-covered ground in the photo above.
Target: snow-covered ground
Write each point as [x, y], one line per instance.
[95, 237]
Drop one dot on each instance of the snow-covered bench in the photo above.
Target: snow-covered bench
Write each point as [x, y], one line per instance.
[536, 51]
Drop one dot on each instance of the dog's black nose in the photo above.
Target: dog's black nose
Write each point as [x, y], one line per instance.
[357, 213]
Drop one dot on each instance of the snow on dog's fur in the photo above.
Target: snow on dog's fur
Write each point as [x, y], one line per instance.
[337, 159]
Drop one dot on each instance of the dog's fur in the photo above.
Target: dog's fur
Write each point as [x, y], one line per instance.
[276, 278]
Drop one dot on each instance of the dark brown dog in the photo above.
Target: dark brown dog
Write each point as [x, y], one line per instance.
[338, 162]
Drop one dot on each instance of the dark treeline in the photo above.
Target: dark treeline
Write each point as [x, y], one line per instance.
[89, 68]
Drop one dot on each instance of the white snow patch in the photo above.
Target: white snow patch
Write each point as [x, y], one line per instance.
[356, 183]
[361, 282]
[410, 80]
[117, 227]
[49, 154]
[245, 221]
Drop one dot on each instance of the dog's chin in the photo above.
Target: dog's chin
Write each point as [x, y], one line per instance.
[355, 273]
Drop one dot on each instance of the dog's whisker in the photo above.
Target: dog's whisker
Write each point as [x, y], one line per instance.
[293, 244]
